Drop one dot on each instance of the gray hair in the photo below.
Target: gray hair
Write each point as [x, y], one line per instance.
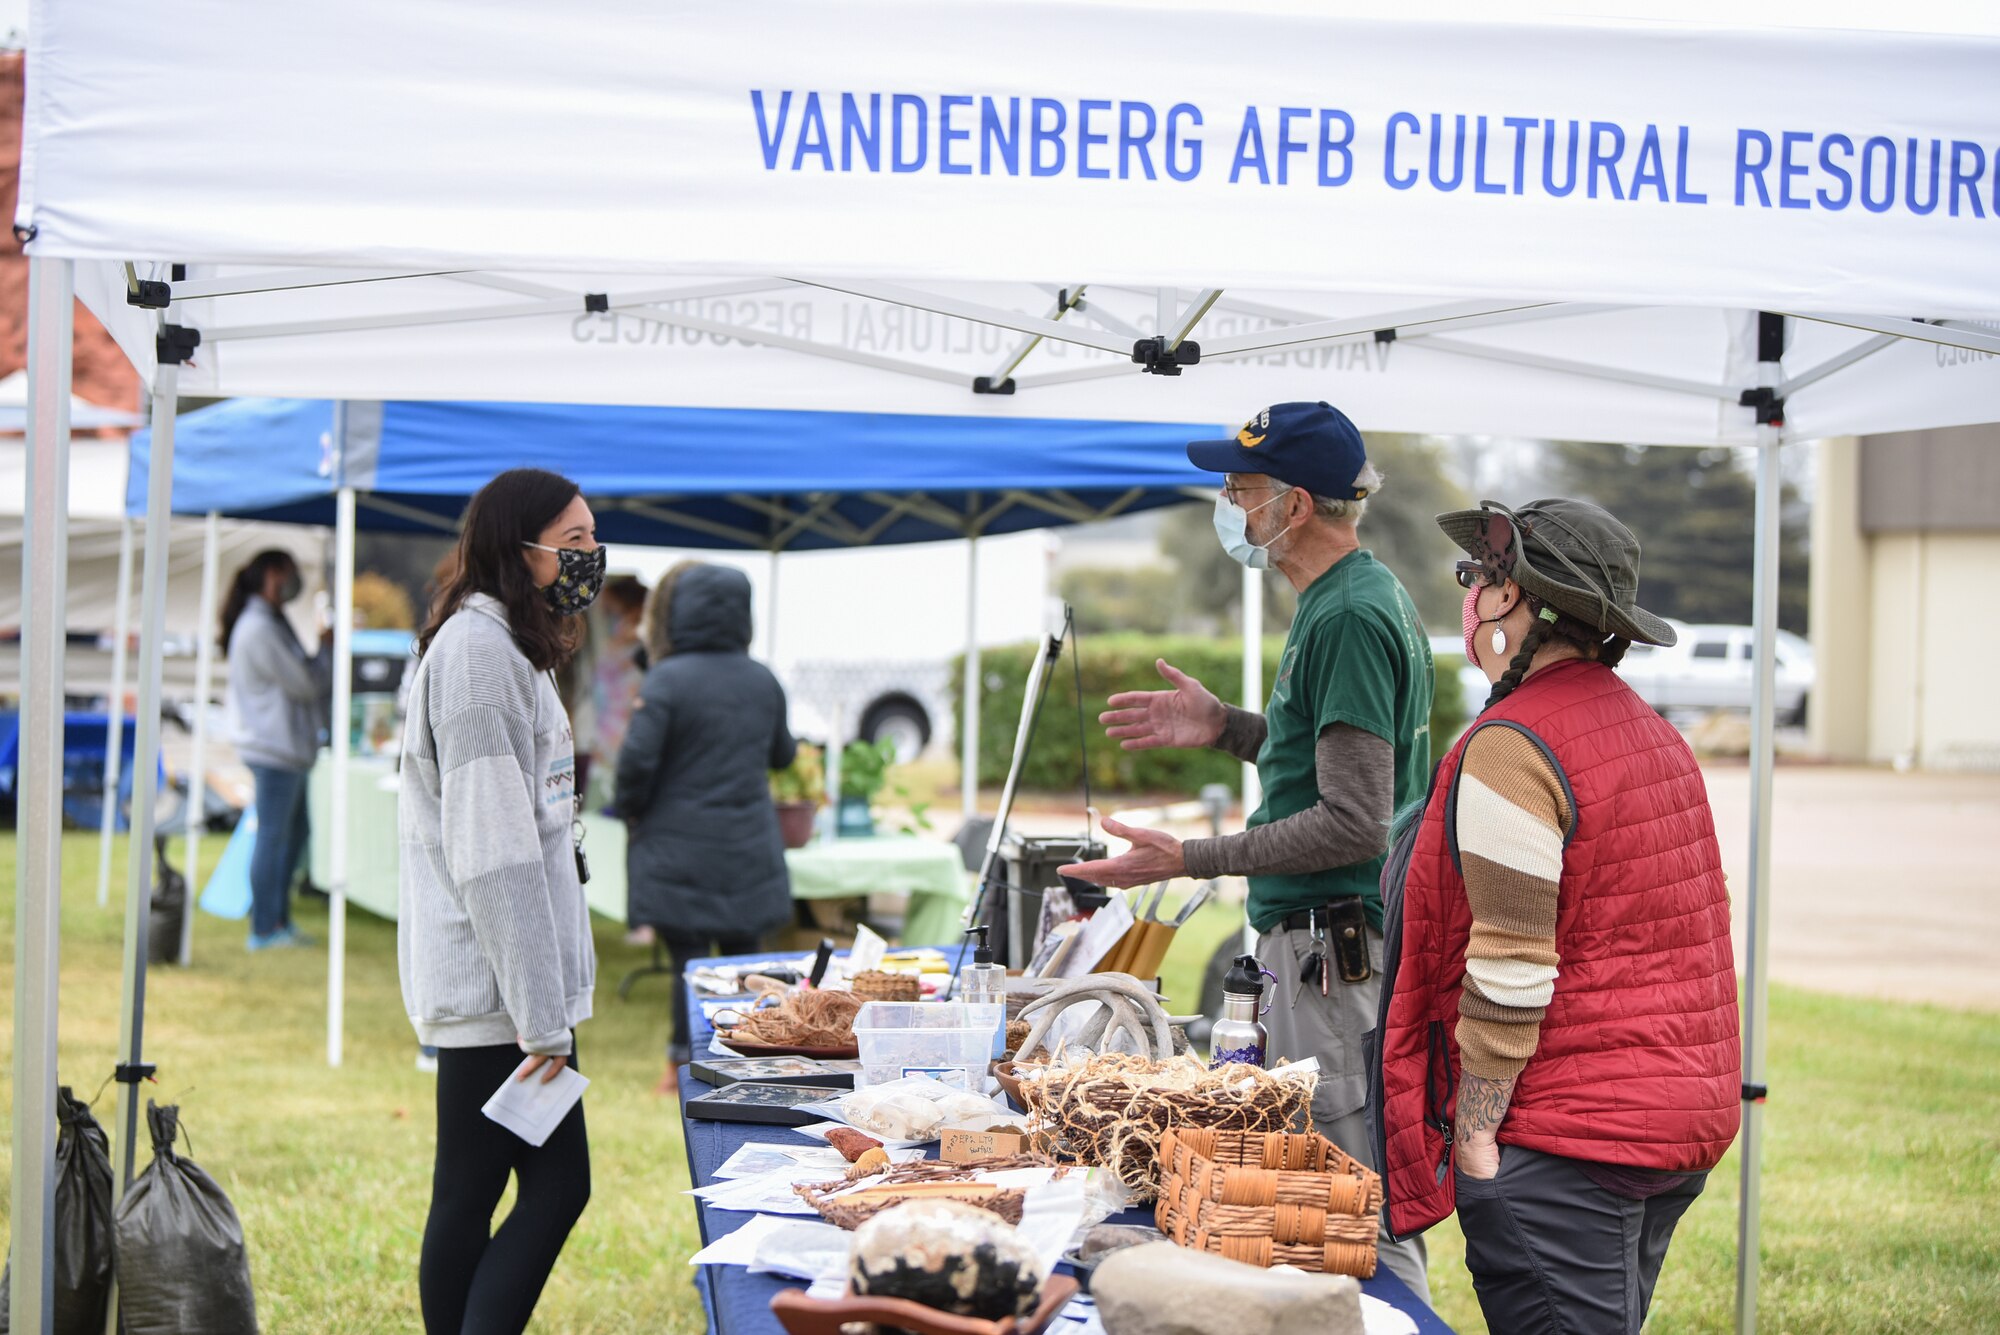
[1346, 510]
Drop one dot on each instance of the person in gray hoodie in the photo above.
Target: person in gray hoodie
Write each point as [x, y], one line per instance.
[493, 934]
[705, 867]
[277, 699]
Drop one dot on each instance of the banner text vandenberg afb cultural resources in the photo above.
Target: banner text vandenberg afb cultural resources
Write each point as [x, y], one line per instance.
[1548, 157]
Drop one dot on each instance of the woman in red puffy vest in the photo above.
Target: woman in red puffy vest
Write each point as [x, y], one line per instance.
[1560, 1059]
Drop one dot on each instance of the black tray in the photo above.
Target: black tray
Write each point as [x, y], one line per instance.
[721, 1071]
[751, 1101]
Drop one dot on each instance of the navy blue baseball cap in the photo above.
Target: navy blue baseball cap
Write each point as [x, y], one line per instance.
[1310, 445]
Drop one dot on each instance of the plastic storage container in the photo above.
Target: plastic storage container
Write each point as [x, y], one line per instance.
[950, 1041]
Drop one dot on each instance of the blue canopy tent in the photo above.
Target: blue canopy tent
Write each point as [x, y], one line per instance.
[769, 480]
[676, 477]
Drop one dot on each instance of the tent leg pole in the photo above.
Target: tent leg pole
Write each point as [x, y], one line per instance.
[771, 613]
[968, 739]
[1253, 674]
[1763, 758]
[204, 685]
[38, 870]
[145, 762]
[343, 691]
[114, 713]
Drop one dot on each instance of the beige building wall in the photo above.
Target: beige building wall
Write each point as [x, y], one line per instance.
[1905, 621]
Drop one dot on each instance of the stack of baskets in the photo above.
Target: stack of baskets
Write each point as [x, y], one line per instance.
[1269, 1198]
[875, 985]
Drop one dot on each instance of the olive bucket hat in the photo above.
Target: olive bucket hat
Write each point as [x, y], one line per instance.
[1573, 555]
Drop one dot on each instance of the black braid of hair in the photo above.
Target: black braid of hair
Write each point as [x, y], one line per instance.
[1612, 652]
[1517, 668]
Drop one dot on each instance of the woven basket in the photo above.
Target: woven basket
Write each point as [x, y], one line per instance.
[875, 985]
[1269, 1198]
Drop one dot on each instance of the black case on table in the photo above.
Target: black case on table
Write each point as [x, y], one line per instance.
[766, 1104]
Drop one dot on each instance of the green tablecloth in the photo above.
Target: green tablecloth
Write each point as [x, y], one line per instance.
[930, 873]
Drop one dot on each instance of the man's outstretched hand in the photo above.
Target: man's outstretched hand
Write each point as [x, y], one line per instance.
[1154, 856]
[1187, 716]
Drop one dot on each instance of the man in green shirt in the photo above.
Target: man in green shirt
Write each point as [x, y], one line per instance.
[1343, 744]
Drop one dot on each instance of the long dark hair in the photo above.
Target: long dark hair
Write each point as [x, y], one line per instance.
[247, 584]
[510, 510]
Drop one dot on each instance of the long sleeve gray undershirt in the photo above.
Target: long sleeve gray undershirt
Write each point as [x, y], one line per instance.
[1356, 773]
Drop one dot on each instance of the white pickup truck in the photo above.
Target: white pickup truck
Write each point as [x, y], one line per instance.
[1710, 668]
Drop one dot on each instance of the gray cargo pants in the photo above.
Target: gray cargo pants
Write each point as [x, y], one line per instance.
[1302, 1024]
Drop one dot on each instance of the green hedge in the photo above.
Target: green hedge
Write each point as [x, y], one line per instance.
[1113, 663]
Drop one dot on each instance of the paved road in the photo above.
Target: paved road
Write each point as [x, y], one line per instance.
[1883, 884]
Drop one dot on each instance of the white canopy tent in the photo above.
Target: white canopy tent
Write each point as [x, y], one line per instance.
[1745, 225]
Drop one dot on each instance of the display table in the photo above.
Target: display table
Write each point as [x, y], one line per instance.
[932, 874]
[739, 1302]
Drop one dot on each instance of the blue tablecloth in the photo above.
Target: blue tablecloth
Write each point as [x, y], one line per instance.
[739, 1302]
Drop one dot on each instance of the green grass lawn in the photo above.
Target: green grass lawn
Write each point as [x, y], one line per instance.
[1881, 1187]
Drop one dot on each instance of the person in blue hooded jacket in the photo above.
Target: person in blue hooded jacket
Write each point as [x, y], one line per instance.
[705, 866]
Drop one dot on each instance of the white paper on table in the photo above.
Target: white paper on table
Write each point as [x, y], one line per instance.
[767, 1193]
[803, 1251]
[867, 952]
[826, 1290]
[1297, 1070]
[533, 1108]
[758, 1157]
[1380, 1318]
[740, 1247]
[1097, 936]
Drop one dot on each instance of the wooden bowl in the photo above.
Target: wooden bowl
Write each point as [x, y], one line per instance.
[801, 1315]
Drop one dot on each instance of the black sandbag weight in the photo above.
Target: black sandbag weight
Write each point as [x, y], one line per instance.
[182, 1265]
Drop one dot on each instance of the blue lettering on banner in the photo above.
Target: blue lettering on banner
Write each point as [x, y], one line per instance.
[1401, 120]
[1250, 149]
[1435, 149]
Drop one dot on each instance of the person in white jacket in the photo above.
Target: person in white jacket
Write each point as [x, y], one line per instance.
[277, 700]
[492, 932]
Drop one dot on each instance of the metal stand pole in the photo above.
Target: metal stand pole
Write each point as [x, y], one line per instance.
[771, 613]
[204, 686]
[38, 874]
[1253, 674]
[1763, 757]
[968, 741]
[114, 712]
[145, 765]
[343, 709]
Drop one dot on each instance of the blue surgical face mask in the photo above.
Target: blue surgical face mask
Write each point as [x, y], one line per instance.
[1232, 527]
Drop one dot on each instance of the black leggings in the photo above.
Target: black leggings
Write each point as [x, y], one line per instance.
[475, 1280]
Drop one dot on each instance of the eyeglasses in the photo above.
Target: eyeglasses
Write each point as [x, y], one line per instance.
[1471, 575]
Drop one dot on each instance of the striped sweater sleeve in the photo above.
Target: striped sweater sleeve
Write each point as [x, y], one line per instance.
[1512, 817]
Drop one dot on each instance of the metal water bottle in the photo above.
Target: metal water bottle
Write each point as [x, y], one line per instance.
[1238, 1035]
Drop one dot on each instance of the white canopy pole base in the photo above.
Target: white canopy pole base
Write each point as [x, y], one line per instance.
[771, 612]
[204, 685]
[114, 713]
[968, 739]
[38, 885]
[343, 691]
[1253, 675]
[1763, 760]
[145, 769]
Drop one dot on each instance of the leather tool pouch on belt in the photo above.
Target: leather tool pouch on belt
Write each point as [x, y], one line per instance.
[1347, 938]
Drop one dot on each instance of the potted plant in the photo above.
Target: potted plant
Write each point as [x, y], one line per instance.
[864, 770]
[864, 773]
[799, 789]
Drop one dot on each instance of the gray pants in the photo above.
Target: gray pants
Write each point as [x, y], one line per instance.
[1304, 1024]
[1551, 1252]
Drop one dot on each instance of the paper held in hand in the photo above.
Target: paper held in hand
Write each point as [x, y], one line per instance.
[533, 1108]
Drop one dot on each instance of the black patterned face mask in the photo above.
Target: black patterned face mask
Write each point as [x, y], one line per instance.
[579, 577]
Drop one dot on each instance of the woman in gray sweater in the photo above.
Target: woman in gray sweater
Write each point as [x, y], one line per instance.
[493, 935]
[277, 696]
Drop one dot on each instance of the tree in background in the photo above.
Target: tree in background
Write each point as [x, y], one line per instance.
[1693, 511]
[382, 604]
[1113, 599]
[1399, 528]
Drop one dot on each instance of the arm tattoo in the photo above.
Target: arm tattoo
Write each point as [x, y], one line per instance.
[1482, 1104]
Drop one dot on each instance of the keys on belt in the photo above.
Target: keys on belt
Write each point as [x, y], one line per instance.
[1339, 942]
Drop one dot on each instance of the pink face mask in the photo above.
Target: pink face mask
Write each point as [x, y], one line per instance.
[1469, 621]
